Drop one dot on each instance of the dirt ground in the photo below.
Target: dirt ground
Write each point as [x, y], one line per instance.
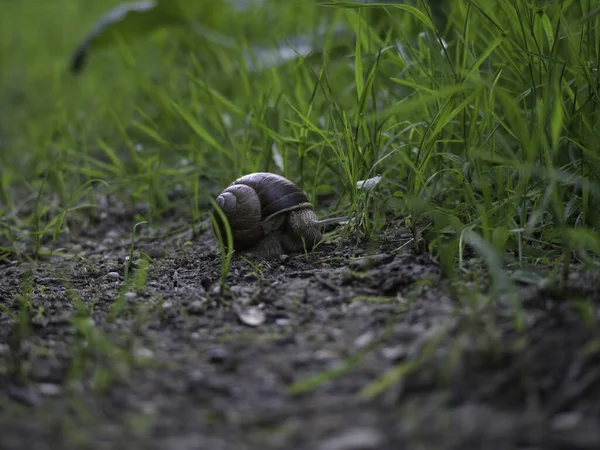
[174, 366]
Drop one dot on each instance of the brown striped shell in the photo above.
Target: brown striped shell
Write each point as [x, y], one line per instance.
[255, 205]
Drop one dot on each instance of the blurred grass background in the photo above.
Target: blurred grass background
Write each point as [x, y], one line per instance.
[481, 117]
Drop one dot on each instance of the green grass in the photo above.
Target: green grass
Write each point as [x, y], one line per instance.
[491, 141]
[483, 124]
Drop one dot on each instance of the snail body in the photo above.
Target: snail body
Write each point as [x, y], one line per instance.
[269, 215]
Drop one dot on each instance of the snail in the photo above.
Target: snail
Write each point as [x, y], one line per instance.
[269, 215]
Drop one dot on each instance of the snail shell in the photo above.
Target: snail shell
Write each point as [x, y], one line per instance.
[256, 205]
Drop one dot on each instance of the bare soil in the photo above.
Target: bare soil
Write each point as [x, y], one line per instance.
[178, 365]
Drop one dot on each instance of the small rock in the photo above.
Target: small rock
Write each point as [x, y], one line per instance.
[195, 336]
[141, 208]
[356, 439]
[325, 355]
[243, 291]
[144, 353]
[218, 354]
[282, 322]
[196, 376]
[113, 275]
[566, 421]
[335, 333]
[113, 234]
[364, 339]
[156, 251]
[253, 316]
[49, 389]
[393, 353]
[167, 305]
[130, 295]
[24, 394]
[197, 306]
[148, 408]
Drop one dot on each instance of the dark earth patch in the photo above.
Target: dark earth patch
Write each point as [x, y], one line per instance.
[168, 363]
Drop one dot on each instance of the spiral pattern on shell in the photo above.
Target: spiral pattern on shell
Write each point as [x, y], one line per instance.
[253, 200]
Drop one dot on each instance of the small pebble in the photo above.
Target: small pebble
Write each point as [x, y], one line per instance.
[393, 353]
[195, 336]
[253, 316]
[218, 355]
[24, 395]
[364, 339]
[144, 353]
[196, 376]
[148, 408]
[243, 291]
[282, 322]
[156, 251]
[49, 389]
[197, 306]
[113, 275]
[113, 234]
[130, 295]
[167, 305]
[566, 421]
[325, 355]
